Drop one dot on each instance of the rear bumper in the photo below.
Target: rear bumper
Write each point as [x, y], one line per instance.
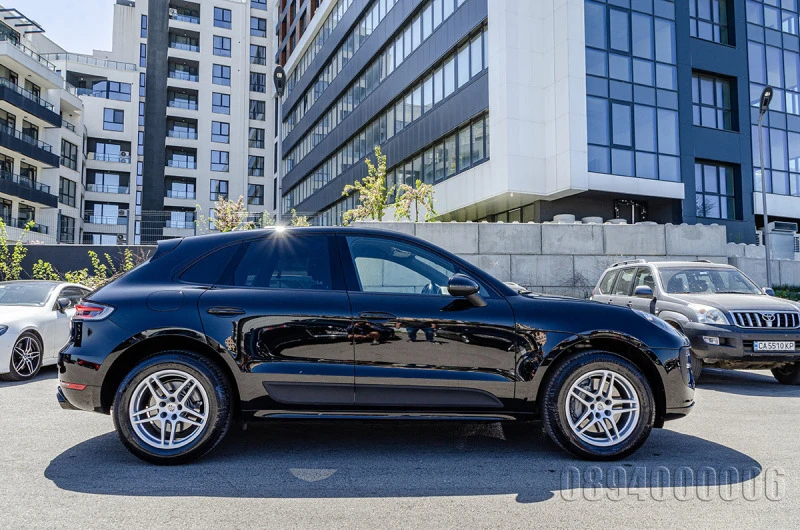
[63, 402]
[736, 344]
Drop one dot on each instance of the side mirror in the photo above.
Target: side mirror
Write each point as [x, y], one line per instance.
[643, 291]
[62, 304]
[768, 291]
[462, 286]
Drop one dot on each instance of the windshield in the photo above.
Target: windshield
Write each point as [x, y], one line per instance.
[711, 280]
[29, 294]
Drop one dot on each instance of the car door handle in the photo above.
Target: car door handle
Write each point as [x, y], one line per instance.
[376, 315]
[225, 311]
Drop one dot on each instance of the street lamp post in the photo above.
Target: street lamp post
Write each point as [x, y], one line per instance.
[766, 98]
[279, 78]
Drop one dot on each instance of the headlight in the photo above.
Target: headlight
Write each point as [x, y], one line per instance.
[709, 315]
[3, 329]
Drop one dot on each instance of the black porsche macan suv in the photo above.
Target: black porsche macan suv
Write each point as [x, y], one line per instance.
[358, 324]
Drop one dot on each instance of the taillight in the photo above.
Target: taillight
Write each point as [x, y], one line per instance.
[92, 311]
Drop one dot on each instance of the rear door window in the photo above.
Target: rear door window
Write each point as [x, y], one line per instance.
[624, 282]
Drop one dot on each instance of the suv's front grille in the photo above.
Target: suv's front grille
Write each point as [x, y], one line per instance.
[766, 319]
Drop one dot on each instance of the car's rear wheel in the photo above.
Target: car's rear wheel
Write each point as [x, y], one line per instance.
[788, 374]
[172, 408]
[598, 406]
[26, 358]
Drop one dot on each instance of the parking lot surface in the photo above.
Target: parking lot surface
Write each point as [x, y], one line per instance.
[732, 462]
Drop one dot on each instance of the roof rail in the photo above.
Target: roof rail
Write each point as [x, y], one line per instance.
[702, 261]
[628, 262]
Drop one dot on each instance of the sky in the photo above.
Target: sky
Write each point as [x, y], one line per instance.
[78, 26]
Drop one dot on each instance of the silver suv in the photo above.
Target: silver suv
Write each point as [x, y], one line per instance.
[730, 321]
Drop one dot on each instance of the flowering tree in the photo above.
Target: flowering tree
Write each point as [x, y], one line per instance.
[228, 216]
[373, 196]
[298, 220]
[411, 199]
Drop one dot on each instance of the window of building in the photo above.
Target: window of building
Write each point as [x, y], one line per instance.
[141, 113]
[143, 33]
[219, 190]
[222, 17]
[258, 54]
[258, 82]
[258, 110]
[711, 102]
[143, 54]
[219, 160]
[69, 155]
[255, 166]
[67, 191]
[258, 27]
[220, 132]
[220, 103]
[142, 78]
[222, 46]
[255, 194]
[256, 138]
[258, 4]
[140, 144]
[715, 191]
[221, 74]
[113, 120]
[66, 230]
[708, 20]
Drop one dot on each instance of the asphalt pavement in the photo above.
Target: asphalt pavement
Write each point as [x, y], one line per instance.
[731, 463]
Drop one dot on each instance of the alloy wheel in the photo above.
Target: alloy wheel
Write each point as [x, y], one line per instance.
[169, 409]
[26, 356]
[602, 408]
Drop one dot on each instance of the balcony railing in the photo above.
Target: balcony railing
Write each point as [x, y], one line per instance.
[186, 164]
[179, 223]
[184, 46]
[177, 194]
[22, 223]
[182, 104]
[107, 188]
[110, 157]
[183, 76]
[186, 135]
[27, 94]
[105, 219]
[23, 180]
[67, 125]
[185, 18]
[25, 138]
[30, 53]
[90, 60]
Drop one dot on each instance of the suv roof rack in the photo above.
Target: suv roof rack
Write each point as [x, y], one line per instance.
[702, 261]
[628, 262]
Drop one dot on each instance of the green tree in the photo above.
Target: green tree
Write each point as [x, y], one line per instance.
[11, 262]
[43, 270]
[373, 196]
[298, 220]
[409, 200]
[228, 216]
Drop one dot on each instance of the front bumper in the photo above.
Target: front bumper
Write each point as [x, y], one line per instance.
[736, 344]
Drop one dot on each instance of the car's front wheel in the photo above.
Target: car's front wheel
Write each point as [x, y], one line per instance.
[172, 408]
[788, 374]
[598, 406]
[26, 358]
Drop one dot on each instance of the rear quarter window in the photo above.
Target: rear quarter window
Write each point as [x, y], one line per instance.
[208, 269]
[607, 282]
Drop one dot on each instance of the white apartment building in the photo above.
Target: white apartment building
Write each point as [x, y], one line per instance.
[174, 117]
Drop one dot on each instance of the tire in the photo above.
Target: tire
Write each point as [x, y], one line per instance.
[26, 358]
[567, 412]
[194, 420]
[788, 374]
[697, 367]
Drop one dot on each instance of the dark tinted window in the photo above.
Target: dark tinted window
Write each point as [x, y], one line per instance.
[208, 270]
[608, 282]
[283, 262]
[74, 294]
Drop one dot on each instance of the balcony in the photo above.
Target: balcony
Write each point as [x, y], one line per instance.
[68, 126]
[180, 194]
[22, 223]
[41, 59]
[116, 158]
[113, 220]
[107, 188]
[27, 145]
[28, 101]
[182, 104]
[183, 76]
[184, 135]
[185, 46]
[91, 61]
[180, 223]
[25, 188]
[191, 19]
[183, 164]
[107, 90]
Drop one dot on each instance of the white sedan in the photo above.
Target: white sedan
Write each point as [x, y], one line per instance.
[34, 324]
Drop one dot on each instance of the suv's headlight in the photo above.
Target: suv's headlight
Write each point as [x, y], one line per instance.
[709, 315]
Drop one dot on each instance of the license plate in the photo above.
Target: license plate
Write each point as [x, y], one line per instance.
[773, 345]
